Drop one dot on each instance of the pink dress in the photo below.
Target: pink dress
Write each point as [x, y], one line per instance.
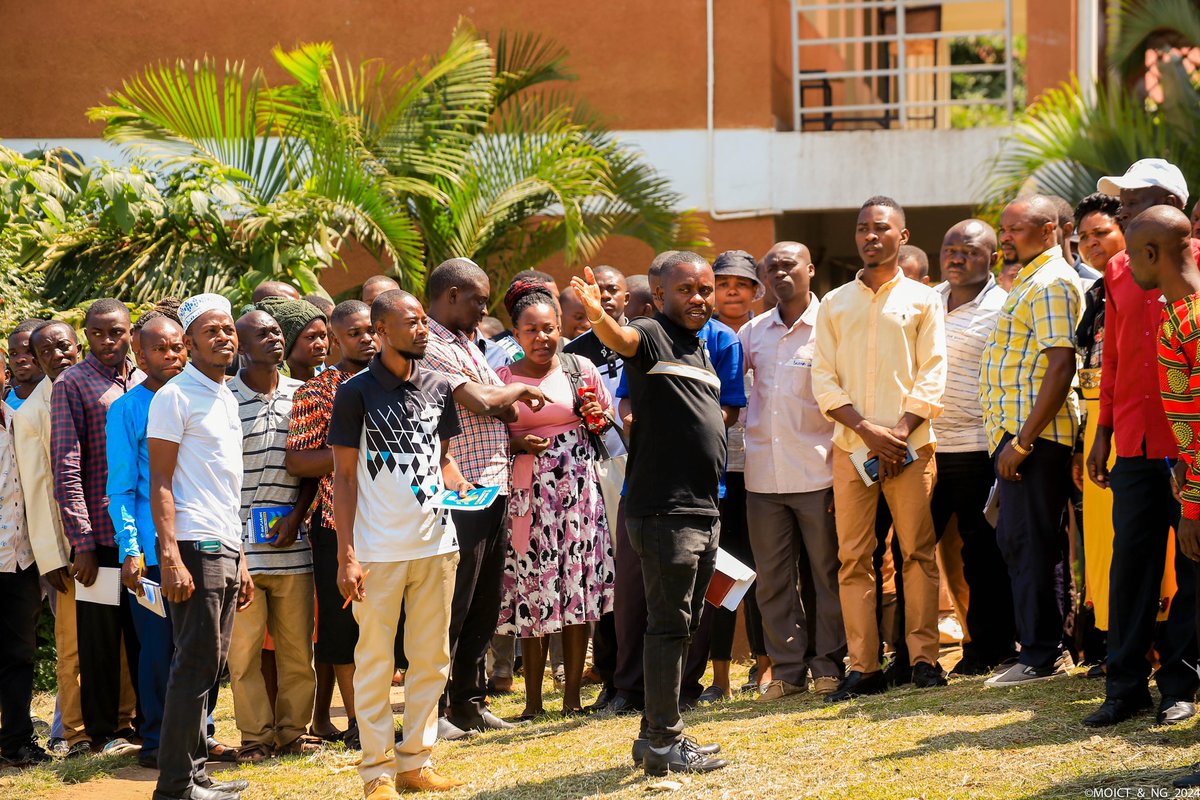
[559, 568]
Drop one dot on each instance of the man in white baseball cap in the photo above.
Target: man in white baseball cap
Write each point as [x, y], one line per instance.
[1149, 182]
[1134, 425]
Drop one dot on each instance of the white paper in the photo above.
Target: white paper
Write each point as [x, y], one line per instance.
[742, 577]
[105, 591]
[152, 597]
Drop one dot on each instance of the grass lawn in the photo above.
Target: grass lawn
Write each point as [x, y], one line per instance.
[958, 742]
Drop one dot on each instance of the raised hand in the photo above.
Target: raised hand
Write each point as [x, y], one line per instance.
[588, 293]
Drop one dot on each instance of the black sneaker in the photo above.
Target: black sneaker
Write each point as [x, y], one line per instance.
[684, 756]
[25, 756]
[927, 676]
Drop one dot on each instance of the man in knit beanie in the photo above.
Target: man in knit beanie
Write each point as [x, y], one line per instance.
[305, 334]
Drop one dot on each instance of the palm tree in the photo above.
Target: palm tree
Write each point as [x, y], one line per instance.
[467, 153]
[1073, 135]
[509, 171]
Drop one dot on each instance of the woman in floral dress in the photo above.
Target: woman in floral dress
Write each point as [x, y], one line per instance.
[558, 572]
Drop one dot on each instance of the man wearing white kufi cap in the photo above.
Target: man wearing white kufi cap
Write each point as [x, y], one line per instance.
[1144, 511]
[195, 443]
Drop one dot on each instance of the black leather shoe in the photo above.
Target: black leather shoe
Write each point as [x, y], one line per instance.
[1173, 710]
[927, 676]
[898, 674]
[682, 757]
[972, 667]
[198, 793]
[1189, 781]
[486, 721]
[640, 746]
[1114, 710]
[25, 755]
[238, 785]
[602, 701]
[623, 707]
[856, 685]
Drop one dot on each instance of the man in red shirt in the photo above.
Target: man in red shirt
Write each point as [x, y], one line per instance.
[1132, 418]
[1162, 259]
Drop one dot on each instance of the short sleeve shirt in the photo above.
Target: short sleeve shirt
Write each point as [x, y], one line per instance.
[265, 480]
[201, 416]
[677, 447]
[1042, 311]
[397, 426]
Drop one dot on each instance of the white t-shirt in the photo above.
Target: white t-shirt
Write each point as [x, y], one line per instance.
[201, 416]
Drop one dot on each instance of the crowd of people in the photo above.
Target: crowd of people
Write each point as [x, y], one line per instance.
[307, 496]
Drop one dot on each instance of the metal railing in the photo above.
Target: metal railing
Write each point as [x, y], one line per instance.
[889, 85]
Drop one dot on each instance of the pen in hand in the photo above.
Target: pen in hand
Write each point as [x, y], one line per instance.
[350, 599]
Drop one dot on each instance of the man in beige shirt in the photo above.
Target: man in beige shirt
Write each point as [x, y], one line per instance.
[879, 372]
[55, 348]
[31, 441]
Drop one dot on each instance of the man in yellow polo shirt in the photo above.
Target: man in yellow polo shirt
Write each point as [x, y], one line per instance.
[1031, 417]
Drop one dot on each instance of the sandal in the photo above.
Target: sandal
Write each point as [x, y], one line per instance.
[220, 752]
[301, 746]
[350, 737]
[254, 754]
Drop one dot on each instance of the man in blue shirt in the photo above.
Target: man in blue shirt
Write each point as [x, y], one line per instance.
[162, 356]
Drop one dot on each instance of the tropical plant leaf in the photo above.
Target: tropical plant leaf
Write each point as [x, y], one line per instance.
[1136, 26]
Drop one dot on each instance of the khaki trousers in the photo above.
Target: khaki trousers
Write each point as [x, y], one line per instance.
[66, 645]
[424, 588]
[283, 605]
[907, 497]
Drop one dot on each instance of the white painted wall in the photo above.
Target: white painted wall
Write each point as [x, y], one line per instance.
[773, 172]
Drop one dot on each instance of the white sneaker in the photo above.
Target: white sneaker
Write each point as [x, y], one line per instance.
[1020, 674]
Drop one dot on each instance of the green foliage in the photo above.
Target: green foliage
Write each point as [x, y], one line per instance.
[990, 50]
[1075, 134]
[45, 669]
[1136, 26]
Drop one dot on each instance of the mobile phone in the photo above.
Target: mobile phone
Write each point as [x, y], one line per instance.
[871, 465]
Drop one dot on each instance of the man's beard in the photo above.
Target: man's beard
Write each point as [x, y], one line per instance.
[410, 355]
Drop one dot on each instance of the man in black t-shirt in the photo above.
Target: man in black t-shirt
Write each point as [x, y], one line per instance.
[676, 453]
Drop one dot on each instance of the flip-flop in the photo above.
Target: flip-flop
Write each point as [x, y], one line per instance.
[119, 747]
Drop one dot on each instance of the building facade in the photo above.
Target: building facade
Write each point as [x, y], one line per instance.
[773, 118]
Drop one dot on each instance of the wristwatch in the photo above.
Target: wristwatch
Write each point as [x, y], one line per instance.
[1016, 445]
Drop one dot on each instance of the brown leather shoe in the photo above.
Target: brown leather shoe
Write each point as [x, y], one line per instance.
[426, 779]
[382, 788]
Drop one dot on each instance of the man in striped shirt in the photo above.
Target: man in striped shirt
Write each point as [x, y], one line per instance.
[972, 302]
[273, 507]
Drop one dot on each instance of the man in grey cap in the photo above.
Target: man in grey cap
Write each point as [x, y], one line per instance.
[1144, 510]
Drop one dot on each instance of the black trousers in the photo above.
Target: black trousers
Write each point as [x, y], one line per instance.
[1031, 539]
[20, 605]
[629, 626]
[202, 626]
[678, 553]
[475, 607]
[1144, 511]
[102, 630]
[964, 482]
[604, 649]
[735, 540]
